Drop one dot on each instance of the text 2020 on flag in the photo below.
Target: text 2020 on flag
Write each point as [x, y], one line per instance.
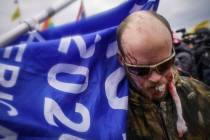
[69, 84]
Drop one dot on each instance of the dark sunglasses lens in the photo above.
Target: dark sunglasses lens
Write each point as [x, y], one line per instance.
[162, 68]
[139, 71]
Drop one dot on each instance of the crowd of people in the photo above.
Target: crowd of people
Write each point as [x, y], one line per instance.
[193, 54]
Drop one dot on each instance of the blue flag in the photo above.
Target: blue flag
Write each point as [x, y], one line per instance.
[65, 83]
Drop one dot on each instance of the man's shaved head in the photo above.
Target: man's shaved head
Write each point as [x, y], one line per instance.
[145, 39]
[141, 21]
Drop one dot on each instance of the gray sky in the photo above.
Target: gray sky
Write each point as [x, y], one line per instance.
[185, 13]
[180, 13]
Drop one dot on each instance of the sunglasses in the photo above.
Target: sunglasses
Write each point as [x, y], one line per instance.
[144, 70]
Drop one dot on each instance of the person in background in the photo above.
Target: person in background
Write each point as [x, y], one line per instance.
[162, 104]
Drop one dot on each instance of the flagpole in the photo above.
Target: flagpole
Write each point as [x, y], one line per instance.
[31, 23]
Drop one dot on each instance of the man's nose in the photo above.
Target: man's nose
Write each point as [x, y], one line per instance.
[154, 76]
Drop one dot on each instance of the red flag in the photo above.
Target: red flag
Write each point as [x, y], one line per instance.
[81, 13]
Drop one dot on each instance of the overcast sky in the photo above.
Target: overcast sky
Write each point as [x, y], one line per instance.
[180, 13]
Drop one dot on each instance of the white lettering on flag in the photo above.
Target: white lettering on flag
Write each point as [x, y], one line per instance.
[124, 136]
[52, 109]
[7, 134]
[80, 42]
[12, 110]
[136, 7]
[7, 52]
[35, 35]
[64, 44]
[111, 85]
[13, 78]
[73, 88]
[84, 52]
[19, 55]
[69, 137]
[112, 49]
[6, 96]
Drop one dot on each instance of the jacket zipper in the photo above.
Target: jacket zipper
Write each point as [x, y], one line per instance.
[163, 125]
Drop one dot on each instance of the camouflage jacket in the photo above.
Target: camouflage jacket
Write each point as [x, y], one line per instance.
[157, 121]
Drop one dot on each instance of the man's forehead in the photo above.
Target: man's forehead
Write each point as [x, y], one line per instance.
[143, 20]
[146, 36]
[144, 24]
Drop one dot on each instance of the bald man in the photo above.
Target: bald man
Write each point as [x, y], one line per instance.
[162, 104]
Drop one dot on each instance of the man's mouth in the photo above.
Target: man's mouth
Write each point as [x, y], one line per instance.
[160, 88]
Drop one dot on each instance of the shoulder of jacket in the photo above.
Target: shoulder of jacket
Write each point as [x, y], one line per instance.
[196, 87]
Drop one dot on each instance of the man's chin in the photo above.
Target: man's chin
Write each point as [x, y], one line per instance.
[155, 95]
[152, 94]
